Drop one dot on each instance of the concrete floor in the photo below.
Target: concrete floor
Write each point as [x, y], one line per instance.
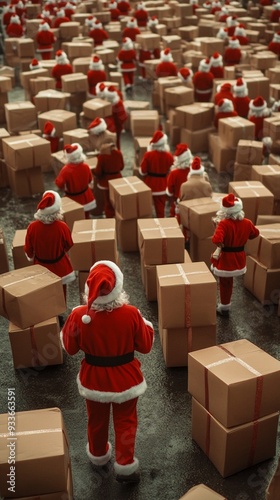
[171, 462]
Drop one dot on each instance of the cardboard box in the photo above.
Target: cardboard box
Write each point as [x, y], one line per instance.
[77, 49]
[222, 156]
[148, 41]
[263, 60]
[19, 257]
[249, 152]
[141, 146]
[199, 216]
[26, 152]
[232, 129]
[38, 345]
[269, 176]
[185, 208]
[194, 290]
[241, 171]
[171, 42]
[9, 72]
[40, 83]
[235, 449]
[201, 249]
[42, 453]
[127, 237]
[79, 135]
[26, 47]
[131, 197]
[4, 180]
[95, 108]
[160, 241]
[26, 76]
[61, 119]
[20, 116]
[144, 123]
[25, 183]
[5, 84]
[69, 30]
[22, 288]
[233, 382]
[198, 140]
[273, 74]
[81, 64]
[57, 161]
[273, 489]
[271, 127]
[262, 282]
[93, 240]
[72, 211]
[75, 82]
[107, 56]
[48, 100]
[196, 116]
[256, 198]
[134, 106]
[188, 33]
[209, 45]
[266, 247]
[201, 491]
[4, 263]
[175, 96]
[267, 219]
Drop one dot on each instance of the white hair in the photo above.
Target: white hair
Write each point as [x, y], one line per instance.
[49, 218]
[122, 300]
[221, 215]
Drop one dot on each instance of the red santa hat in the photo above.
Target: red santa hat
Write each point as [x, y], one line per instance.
[225, 106]
[207, 5]
[132, 23]
[231, 204]
[100, 89]
[49, 204]
[111, 94]
[141, 6]
[97, 126]
[44, 26]
[113, 4]
[185, 74]
[15, 19]
[104, 285]
[153, 21]
[240, 30]
[34, 64]
[204, 65]
[73, 153]
[195, 167]
[231, 21]
[166, 55]
[97, 25]
[9, 8]
[61, 57]
[276, 37]
[216, 60]
[96, 64]
[159, 139]
[49, 130]
[257, 106]
[182, 153]
[127, 43]
[240, 88]
[90, 20]
[234, 43]
[222, 33]
[224, 87]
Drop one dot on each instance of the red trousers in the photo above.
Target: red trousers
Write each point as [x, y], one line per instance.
[108, 207]
[128, 77]
[226, 287]
[125, 427]
[46, 56]
[159, 204]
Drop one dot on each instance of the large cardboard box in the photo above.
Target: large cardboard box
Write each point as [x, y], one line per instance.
[4, 263]
[256, 198]
[25, 183]
[40, 83]
[196, 116]
[176, 96]
[222, 156]
[232, 129]
[144, 123]
[131, 197]
[269, 176]
[198, 140]
[263, 60]
[199, 216]
[93, 240]
[77, 49]
[19, 257]
[209, 45]
[20, 116]
[148, 41]
[241, 171]
[194, 290]
[72, 211]
[160, 241]
[79, 135]
[22, 288]
[26, 76]
[201, 249]
[95, 108]
[234, 382]
[266, 247]
[69, 30]
[235, 449]
[47, 100]
[26, 152]
[249, 152]
[75, 82]
[127, 236]
[5, 84]
[42, 452]
[38, 345]
[262, 282]
[61, 119]
[202, 492]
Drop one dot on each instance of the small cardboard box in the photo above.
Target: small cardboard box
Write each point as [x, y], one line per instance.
[222, 156]
[188, 33]
[69, 30]
[77, 49]
[26, 47]
[144, 123]
[160, 241]
[20, 116]
[234, 382]
[263, 60]
[42, 452]
[79, 135]
[38, 345]
[223, 446]
[21, 288]
[209, 45]
[81, 65]
[40, 83]
[4, 263]
[267, 219]
[198, 140]
[256, 198]
[249, 152]
[194, 290]
[201, 249]
[171, 42]
[127, 237]
[232, 129]
[51, 99]
[195, 116]
[95, 108]
[75, 82]
[8, 72]
[201, 491]
[180, 95]
[262, 282]
[26, 76]
[5, 84]
[200, 216]
[107, 56]
[269, 175]
[266, 247]
[72, 211]
[25, 183]
[26, 152]
[61, 119]
[19, 257]
[148, 41]
[131, 197]
[93, 240]
[141, 146]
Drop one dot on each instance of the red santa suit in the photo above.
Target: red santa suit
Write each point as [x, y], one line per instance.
[108, 333]
[146, 55]
[45, 40]
[124, 7]
[98, 34]
[61, 68]
[240, 34]
[45, 17]
[119, 114]
[178, 174]
[20, 11]
[275, 14]
[69, 10]
[232, 54]
[224, 109]
[114, 11]
[9, 11]
[274, 45]
[224, 91]
[258, 111]
[216, 7]
[203, 82]
[75, 178]
[166, 67]
[51, 6]
[216, 65]
[60, 18]
[127, 59]
[224, 13]
[48, 238]
[155, 167]
[109, 166]
[231, 234]
[95, 74]
[49, 134]
[231, 23]
[241, 100]
[141, 15]
[14, 28]
[131, 29]
[186, 75]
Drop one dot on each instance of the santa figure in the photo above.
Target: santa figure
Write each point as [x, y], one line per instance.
[275, 107]
[119, 114]
[100, 89]
[216, 7]
[35, 64]
[50, 135]
[48, 239]
[146, 55]
[14, 28]
[124, 7]
[20, 11]
[8, 12]
[258, 111]
[127, 60]
[99, 135]
[45, 40]
[89, 23]
[131, 29]
[223, 15]
[97, 33]
[95, 74]
[275, 14]
[152, 24]
[51, 6]
[203, 82]
[232, 232]
[60, 17]
[274, 44]
[155, 167]
[240, 97]
[178, 174]
[141, 15]
[61, 68]
[69, 10]
[75, 178]
[217, 65]
[240, 34]
[114, 11]
[224, 109]
[231, 23]
[232, 54]
[108, 330]
[224, 91]
[197, 184]
[45, 16]
[186, 75]
[222, 34]
[166, 66]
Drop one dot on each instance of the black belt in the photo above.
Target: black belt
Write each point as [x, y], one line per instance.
[154, 174]
[111, 173]
[76, 194]
[109, 360]
[233, 249]
[50, 261]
